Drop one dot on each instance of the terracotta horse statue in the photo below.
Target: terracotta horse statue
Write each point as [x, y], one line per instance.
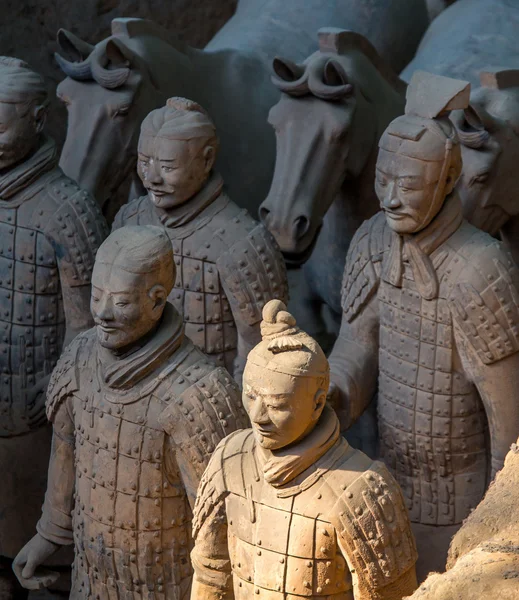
[111, 87]
[333, 110]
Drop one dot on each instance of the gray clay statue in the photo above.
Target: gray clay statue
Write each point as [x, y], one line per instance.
[137, 411]
[49, 233]
[112, 86]
[228, 265]
[288, 509]
[430, 311]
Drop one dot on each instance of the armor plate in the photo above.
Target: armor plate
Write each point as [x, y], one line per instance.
[47, 242]
[228, 267]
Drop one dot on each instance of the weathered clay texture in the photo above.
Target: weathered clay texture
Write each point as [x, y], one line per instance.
[49, 233]
[484, 554]
[288, 509]
[430, 306]
[228, 265]
[137, 410]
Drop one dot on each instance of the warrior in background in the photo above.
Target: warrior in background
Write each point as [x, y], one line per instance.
[228, 265]
[49, 233]
[430, 310]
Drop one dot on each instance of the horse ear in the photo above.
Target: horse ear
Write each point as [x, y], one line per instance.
[287, 70]
[72, 46]
[117, 53]
[334, 74]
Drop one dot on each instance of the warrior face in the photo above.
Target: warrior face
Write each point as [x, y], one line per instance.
[406, 188]
[173, 171]
[282, 408]
[19, 128]
[125, 306]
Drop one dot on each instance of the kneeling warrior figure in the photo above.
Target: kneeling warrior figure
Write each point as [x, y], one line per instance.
[137, 410]
[228, 265]
[50, 231]
[431, 307]
[288, 509]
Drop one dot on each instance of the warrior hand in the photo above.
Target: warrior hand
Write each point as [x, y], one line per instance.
[30, 557]
[36, 398]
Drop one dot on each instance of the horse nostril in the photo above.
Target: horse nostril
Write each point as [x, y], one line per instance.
[301, 226]
[263, 214]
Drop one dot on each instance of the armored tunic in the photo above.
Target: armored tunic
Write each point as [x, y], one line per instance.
[228, 267]
[432, 356]
[338, 530]
[133, 482]
[49, 233]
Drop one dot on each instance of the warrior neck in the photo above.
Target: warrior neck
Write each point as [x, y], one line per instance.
[180, 215]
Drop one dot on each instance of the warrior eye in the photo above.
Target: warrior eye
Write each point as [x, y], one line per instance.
[122, 111]
[121, 303]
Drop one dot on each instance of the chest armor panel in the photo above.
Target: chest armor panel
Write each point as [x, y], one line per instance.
[32, 319]
[132, 525]
[199, 296]
[278, 553]
[431, 419]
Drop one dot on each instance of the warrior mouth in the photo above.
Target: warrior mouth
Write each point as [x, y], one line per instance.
[106, 328]
[296, 259]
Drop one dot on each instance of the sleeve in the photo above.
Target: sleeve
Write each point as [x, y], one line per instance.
[55, 523]
[252, 272]
[199, 418]
[374, 533]
[486, 330]
[210, 555]
[354, 358]
[76, 229]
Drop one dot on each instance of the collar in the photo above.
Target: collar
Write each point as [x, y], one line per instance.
[123, 373]
[417, 248]
[180, 215]
[44, 159]
[283, 465]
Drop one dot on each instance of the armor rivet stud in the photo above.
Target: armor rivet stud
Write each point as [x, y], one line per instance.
[306, 584]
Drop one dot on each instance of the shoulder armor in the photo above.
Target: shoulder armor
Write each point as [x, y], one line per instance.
[77, 229]
[372, 521]
[129, 213]
[485, 306]
[360, 280]
[64, 379]
[203, 415]
[253, 272]
[213, 485]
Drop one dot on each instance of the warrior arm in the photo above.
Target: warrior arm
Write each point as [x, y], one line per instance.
[76, 304]
[354, 364]
[497, 384]
[55, 524]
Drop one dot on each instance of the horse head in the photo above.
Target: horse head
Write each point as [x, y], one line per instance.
[327, 127]
[108, 91]
[489, 134]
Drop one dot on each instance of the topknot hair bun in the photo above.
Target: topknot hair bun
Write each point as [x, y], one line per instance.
[279, 326]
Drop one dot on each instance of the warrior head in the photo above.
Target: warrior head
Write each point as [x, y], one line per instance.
[134, 273]
[419, 160]
[23, 109]
[285, 380]
[177, 150]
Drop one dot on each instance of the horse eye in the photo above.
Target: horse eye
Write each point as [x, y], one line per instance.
[122, 111]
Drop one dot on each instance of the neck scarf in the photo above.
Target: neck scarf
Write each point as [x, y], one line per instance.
[416, 249]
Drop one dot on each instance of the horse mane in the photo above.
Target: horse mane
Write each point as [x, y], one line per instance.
[339, 41]
[133, 27]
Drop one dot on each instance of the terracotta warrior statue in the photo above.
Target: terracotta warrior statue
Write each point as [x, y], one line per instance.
[288, 509]
[49, 233]
[136, 410]
[430, 309]
[228, 266]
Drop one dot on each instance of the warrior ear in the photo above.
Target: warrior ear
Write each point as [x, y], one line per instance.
[72, 46]
[40, 116]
